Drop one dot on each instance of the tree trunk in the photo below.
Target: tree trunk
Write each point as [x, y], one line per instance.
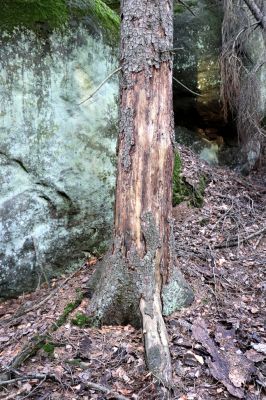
[141, 259]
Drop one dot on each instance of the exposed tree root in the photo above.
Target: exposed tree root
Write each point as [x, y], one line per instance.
[156, 341]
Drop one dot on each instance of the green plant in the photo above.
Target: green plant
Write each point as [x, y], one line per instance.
[48, 348]
[67, 310]
[81, 320]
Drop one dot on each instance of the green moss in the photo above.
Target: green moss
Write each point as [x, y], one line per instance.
[182, 191]
[32, 13]
[67, 310]
[46, 15]
[48, 348]
[108, 18]
[81, 320]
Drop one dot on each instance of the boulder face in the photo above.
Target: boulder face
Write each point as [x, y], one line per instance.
[57, 156]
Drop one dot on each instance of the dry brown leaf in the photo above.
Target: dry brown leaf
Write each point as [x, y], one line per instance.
[254, 356]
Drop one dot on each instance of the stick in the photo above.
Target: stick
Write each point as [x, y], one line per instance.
[101, 84]
[256, 12]
[26, 378]
[236, 242]
[187, 7]
[89, 384]
[184, 86]
[104, 389]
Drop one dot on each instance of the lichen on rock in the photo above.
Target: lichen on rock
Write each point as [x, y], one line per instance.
[57, 158]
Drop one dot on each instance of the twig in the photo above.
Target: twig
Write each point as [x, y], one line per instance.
[187, 7]
[14, 319]
[26, 378]
[172, 50]
[88, 384]
[34, 389]
[258, 242]
[184, 86]
[101, 84]
[104, 389]
[213, 266]
[257, 13]
[237, 241]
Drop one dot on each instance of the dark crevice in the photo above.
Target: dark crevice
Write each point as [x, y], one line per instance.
[16, 161]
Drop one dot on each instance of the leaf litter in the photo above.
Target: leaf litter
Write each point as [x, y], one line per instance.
[217, 345]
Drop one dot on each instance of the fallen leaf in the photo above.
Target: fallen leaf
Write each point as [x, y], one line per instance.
[261, 347]
[4, 339]
[254, 356]
[27, 387]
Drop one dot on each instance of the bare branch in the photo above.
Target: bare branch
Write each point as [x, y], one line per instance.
[101, 84]
[88, 384]
[184, 86]
[256, 12]
[187, 7]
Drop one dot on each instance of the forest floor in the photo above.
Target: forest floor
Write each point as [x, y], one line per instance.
[218, 345]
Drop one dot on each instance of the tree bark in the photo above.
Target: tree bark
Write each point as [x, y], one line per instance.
[257, 12]
[142, 259]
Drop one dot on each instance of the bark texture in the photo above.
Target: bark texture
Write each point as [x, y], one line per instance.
[142, 258]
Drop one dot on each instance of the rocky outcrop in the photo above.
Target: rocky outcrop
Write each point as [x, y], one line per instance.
[57, 157]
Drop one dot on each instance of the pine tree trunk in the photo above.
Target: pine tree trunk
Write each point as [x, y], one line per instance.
[142, 256]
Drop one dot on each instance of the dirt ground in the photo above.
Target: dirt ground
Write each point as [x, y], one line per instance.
[218, 345]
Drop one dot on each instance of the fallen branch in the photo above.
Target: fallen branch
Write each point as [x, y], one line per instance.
[187, 7]
[101, 84]
[238, 241]
[104, 389]
[26, 378]
[184, 86]
[256, 12]
[88, 384]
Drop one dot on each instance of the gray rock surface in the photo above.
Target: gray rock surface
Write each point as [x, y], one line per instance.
[57, 158]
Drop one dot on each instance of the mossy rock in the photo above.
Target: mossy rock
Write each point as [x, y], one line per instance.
[183, 191]
[47, 15]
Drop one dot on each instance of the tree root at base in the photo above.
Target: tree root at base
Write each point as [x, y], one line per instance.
[156, 342]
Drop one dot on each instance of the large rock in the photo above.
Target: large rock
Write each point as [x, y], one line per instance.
[57, 157]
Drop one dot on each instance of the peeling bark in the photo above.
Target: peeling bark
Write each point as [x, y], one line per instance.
[142, 257]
